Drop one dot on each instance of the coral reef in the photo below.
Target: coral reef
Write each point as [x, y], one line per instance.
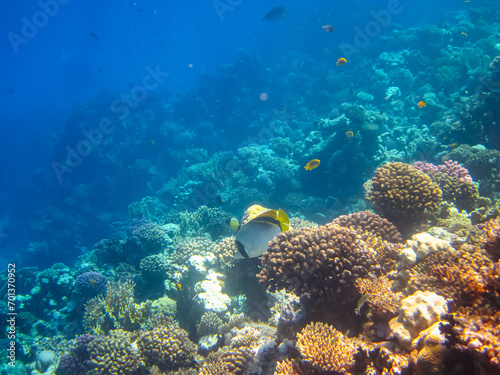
[367, 222]
[90, 284]
[322, 346]
[316, 261]
[168, 348]
[115, 310]
[417, 313]
[403, 194]
[114, 354]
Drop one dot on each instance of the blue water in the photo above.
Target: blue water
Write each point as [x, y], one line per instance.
[65, 63]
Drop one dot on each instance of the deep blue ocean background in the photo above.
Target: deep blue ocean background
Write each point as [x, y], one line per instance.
[87, 54]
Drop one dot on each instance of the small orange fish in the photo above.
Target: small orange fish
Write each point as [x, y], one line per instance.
[341, 61]
[328, 28]
[349, 134]
[312, 164]
[422, 104]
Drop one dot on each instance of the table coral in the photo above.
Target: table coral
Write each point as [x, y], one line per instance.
[403, 194]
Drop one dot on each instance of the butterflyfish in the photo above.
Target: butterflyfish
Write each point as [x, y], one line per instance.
[312, 164]
[253, 238]
[341, 61]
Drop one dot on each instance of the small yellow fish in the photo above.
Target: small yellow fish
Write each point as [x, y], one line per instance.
[234, 225]
[464, 34]
[312, 164]
[349, 134]
[361, 302]
[341, 61]
[422, 104]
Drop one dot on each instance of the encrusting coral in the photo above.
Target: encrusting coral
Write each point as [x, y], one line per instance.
[417, 313]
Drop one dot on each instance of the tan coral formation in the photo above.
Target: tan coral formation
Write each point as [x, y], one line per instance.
[417, 313]
[364, 222]
[403, 194]
[316, 261]
[167, 347]
[323, 347]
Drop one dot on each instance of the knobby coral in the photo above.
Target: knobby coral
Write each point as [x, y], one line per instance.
[323, 347]
[403, 194]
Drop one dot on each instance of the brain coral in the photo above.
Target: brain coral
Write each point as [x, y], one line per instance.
[418, 312]
[316, 260]
[368, 222]
[167, 348]
[325, 348]
[403, 193]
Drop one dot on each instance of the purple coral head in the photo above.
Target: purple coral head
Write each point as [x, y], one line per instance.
[77, 362]
[90, 284]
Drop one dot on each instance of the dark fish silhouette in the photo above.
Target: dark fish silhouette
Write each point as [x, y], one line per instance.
[275, 14]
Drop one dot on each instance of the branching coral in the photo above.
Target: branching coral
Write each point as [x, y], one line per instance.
[316, 261]
[491, 240]
[210, 323]
[114, 354]
[364, 222]
[167, 348]
[382, 301]
[403, 194]
[323, 347]
[115, 310]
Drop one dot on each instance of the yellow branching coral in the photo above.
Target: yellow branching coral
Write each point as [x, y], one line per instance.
[382, 301]
[115, 310]
[324, 347]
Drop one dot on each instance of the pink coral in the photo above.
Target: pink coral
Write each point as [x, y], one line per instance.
[450, 167]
